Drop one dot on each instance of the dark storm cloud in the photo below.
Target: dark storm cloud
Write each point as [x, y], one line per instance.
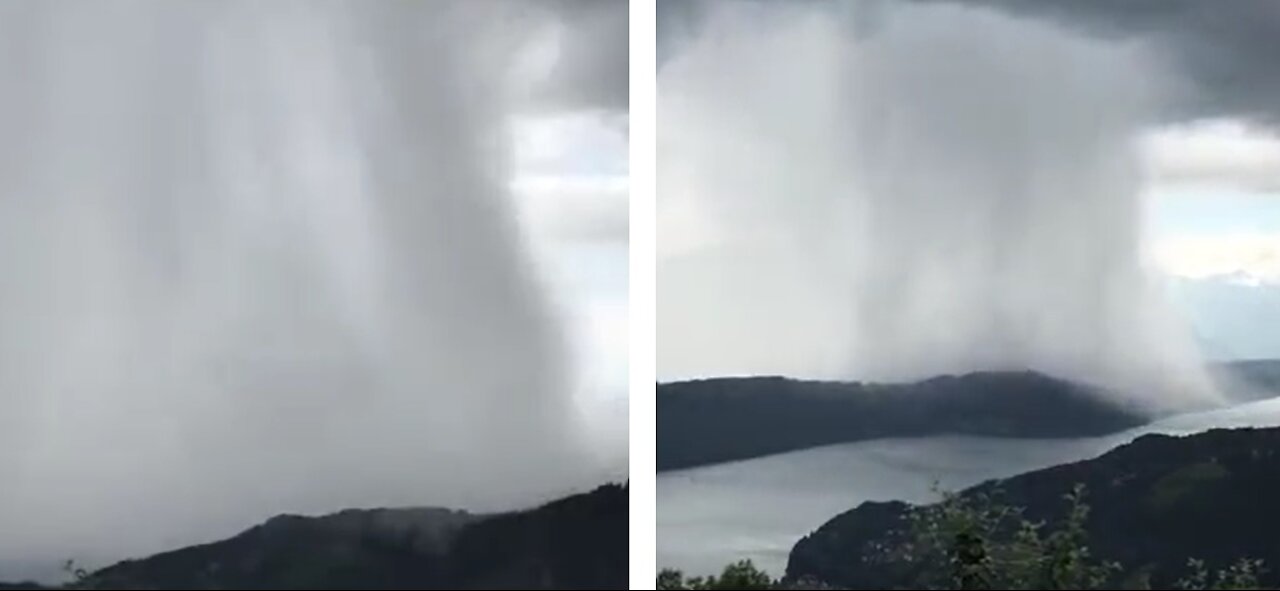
[676, 22]
[591, 70]
[1227, 50]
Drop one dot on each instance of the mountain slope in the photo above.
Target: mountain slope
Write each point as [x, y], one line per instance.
[719, 420]
[1155, 503]
[579, 542]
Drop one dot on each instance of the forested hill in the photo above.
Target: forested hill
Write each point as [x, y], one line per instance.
[579, 542]
[725, 419]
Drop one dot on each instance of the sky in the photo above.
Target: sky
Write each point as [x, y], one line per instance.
[298, 257]
[1214, 219]
[1207, 150]
[1214, 200]
[571, 192]
[571, 195]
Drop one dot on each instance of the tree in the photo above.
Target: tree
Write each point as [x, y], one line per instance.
[739, 575]
[1241, 575]
[973, 542]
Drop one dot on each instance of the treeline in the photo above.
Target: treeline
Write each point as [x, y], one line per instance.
[974, 542]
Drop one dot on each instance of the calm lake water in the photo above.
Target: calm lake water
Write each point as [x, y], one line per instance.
[758, 509]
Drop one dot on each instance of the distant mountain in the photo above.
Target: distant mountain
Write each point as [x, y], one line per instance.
[719, 420]
[579, 542]
[1155, 503]
[1226, 311]
[1247, 380]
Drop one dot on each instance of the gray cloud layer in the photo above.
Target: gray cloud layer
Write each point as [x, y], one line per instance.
[592, 71]
[257, 257]
[940, 189]
[1227, 51]
[596, 54]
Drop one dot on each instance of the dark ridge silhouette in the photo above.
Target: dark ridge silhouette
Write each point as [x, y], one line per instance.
[1155, 502]
[579, 542]
[719, 420]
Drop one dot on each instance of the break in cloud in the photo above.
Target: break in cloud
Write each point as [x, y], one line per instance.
[573, 177]
[1218, 130]
[572, 195]
[1233, 169]
[1245, 258]
[1219, 152]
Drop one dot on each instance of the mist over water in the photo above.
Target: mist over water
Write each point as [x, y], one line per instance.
[257, 257]
[893, 191]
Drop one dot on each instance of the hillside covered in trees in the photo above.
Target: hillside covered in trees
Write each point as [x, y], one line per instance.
[718, 420]
[709, 421]
[579, 542]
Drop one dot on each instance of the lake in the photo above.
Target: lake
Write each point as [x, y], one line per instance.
[759, 508]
